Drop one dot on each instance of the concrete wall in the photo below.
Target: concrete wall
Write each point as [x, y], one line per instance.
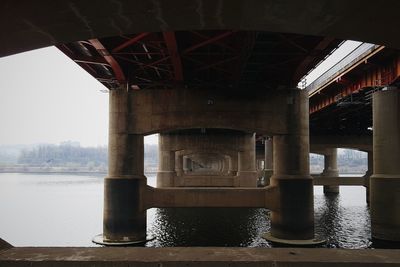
[153, 111]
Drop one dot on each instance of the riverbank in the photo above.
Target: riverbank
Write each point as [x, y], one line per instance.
[73, 170]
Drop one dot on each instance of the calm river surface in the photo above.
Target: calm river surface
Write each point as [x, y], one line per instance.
[66, 210]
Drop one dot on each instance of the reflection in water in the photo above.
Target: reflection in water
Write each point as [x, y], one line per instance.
[225, 227]
[343, 222]
[66, 210]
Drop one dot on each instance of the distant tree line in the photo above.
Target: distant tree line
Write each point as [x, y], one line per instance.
[73, 154]
[58, 155]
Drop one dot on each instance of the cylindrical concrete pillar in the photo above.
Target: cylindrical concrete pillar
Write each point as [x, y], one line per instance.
[330, 169]
[294, 217]
[247, 174]
[225, 169]
[124, 219]
[368, 174]
[269, 156]
[179, 164]
[385, 182]
[233, 164]
[166, 162]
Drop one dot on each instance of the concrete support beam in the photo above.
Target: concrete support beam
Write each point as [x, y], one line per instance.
[211, 197]
[295, 218]
[124, 215]
[385, 182]
[330, 169]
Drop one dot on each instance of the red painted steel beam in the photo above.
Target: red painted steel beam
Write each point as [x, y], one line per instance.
[130, 42]
[119, 74]
[380, 75]
[172, 47]
[209, 41]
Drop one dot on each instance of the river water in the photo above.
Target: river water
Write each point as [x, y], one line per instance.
[66, 210]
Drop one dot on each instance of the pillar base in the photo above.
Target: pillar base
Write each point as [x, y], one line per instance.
[385, 207]
[331, 189]
[99, 240]
[294, 242]
[293, 218]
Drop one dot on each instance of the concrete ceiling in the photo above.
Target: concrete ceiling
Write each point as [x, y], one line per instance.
[27, 25]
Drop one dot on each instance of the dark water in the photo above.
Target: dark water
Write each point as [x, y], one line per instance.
[66, 210]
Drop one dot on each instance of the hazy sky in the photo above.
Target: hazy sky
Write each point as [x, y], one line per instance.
[47, 98]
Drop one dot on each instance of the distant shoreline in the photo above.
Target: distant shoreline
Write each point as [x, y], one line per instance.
[55, 171]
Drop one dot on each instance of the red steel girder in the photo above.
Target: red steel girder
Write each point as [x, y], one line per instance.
[119, 74]
[172, 47]
[130, 42]
[209, 41]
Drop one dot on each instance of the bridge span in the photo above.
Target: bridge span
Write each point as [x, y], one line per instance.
[212, 77]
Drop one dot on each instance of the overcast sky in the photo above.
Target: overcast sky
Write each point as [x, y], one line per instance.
[47, 98]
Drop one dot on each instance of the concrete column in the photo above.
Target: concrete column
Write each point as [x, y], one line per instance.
[294, 217]
[330, 169]
[166, 162]
[124, 187]
[179, 164]
[269, 160]
[247, 174]
[225, 170]
[385, 182]
[269, 156]
[233, 164]
[368, 174]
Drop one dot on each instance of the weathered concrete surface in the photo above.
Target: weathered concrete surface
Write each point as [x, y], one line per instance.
[212, 197]
[330, 169]
[295, 218]
[284, 257]
[385, 182]
[232, 153]
[29, 25]
[159, 110]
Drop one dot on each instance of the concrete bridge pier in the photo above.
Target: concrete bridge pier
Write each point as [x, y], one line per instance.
[368, 174]
[293, 218]
[124, 219]
[233, 164]
[166, 163]
[269, 159]
[247, 174]
[385, 182]
[179, 164]
[330, 169]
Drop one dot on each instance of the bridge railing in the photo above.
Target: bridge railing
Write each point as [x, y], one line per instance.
[359, 53]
